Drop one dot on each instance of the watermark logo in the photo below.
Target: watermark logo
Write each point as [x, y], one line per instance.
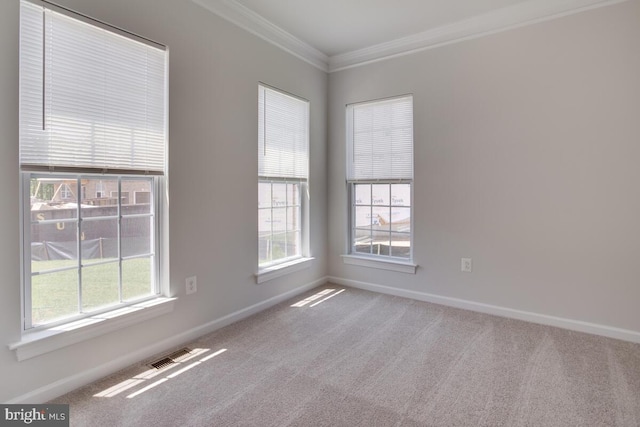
[34, 415]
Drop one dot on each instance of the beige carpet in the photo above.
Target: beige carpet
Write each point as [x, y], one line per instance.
[348, 357]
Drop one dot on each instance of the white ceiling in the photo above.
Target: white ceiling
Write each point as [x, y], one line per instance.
[337, 34]
[339, 26]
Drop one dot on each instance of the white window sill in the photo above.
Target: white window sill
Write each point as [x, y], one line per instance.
[44, 341]
[279, 270]
[380, 263]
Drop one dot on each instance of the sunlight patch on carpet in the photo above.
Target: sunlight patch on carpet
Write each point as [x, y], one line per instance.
[325, 294]
[145, 376]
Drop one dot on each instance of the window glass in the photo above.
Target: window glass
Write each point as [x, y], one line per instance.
[279, 222]
[78, 267]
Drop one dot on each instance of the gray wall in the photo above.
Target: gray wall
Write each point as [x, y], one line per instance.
[526, 142]
[215, 68]
[527, 150]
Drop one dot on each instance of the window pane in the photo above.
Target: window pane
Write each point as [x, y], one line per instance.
[100, 284]
[264, 195]
[137, 278]
[99, 240]
[278, 246]
[362, 194]
[400, 194]
[136, 236]
[142, 198]
[279, 219]
[98, 200]
[293, 219]
[54, 296]
[293, 244]
[380, 194]
[401, 219]
[363, 216]
[381, 218]
[362, 241]
[279, 195]
[401, 245]
[47, 201]
[380, 244]
[53, 246]
[136, 196]
[264, 222]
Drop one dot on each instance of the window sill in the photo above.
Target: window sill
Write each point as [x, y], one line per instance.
[44, 341]
[383, 264]
[279, 270]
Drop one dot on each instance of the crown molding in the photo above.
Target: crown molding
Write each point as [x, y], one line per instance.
[519, 15]
[250, 21]
[503, 19]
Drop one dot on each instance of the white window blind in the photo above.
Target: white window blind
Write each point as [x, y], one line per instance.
[91, 98]
[283, 135]
[380, 140]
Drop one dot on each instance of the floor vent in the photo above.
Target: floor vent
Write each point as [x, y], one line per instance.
[174, 357]
[162, 363]
[180, 354]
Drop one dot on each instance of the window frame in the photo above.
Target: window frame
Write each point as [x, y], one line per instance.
[69, 330]
[352, 215]
[302, 185]
[353, 257]
[301, 260]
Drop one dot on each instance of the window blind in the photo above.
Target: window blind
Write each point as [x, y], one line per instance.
[283, 135]
[380, 139]
[91, 99]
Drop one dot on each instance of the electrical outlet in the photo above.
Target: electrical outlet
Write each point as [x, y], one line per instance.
[466, 265]
[191, 285]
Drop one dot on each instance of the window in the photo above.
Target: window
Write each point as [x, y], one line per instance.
[380, 177]
[65, 191]
[92, 122]
[99, 189]
[87, 256]
[283, 150]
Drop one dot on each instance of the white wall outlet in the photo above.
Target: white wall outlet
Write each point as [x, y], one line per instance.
[466, 265]
[191, 285]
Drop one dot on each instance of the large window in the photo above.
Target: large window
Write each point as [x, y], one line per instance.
[283, 147]
[92, 131]
[380, 177]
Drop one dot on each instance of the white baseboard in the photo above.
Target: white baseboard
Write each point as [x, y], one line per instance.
[65, 385]
[574, 325]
